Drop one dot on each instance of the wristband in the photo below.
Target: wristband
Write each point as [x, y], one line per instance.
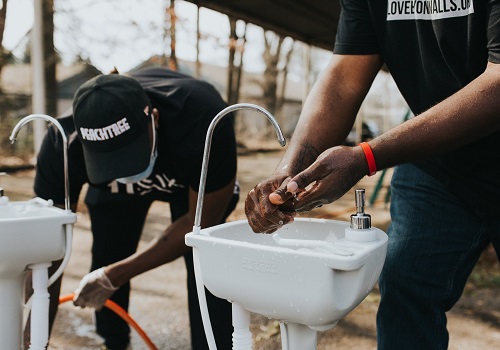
[370, 158]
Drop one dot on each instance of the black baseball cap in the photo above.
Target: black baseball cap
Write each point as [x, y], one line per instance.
[111, 116]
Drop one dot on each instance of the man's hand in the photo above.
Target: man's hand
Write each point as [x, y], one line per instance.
[274, 202]
[94, 289]
[334, 172]
[265, 205]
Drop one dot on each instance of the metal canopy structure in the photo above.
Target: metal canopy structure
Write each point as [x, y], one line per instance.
[311, 21]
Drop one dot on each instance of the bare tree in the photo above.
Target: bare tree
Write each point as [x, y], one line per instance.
[198, 36]
[85, 40]
[281, 95]
[235, 68]
[172, 61]
[50, 57]
[3, 53]
[273, 45]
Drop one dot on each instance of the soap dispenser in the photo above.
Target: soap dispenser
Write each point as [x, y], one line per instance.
[360, 229]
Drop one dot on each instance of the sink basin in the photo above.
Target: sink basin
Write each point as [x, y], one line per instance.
[306, 273]
[32, 235]
[31, 232]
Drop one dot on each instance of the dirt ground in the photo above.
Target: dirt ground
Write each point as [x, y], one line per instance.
[158, 301]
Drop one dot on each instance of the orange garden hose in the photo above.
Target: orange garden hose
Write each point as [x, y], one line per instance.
[117, 309]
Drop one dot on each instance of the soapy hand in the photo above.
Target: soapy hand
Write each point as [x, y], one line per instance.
[274, 202]
[334, 172]
[263, 214]
[94, 289]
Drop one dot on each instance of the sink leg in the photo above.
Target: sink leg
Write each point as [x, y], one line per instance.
[40, 307]
[295, 336]
[11, 312]
[242, 336]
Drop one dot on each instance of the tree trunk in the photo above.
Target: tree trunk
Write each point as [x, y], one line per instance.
[232, 52]
[235, 68]
[172, 62]
[240, 66]
[281, 96]
[272, 51]
[3, 53]
[50, 58]
[198, 64]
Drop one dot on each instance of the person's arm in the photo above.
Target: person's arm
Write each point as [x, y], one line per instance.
[97, 286]
[326, 119]
[467, 116]
[330, 109]
[170, 245]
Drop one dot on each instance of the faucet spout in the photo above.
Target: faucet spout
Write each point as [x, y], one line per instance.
[208, 143]
[31, 117]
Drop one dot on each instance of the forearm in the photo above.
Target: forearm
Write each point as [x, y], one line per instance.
[164, 249]
[170, 245]
[465, 117]
[330, 109]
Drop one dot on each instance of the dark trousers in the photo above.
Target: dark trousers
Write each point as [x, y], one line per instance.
[439, 229]
[117, 221]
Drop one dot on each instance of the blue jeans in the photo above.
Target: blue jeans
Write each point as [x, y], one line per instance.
[438, 231]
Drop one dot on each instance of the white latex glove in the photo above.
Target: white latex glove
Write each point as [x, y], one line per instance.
[94, 289]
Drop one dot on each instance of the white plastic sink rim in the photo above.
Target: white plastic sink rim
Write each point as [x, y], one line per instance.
[29, 210]
[361, 251]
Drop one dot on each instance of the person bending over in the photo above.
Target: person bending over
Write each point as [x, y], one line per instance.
[135, 140]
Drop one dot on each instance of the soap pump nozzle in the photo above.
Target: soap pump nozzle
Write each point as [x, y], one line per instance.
[360, 220]
[360, 229]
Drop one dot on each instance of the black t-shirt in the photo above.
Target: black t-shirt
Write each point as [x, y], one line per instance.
[432, 49]
[186, 107]
[430, 55]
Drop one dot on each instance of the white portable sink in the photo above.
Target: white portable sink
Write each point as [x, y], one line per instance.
[31, 232]
[308, 275]
[313, 276]
[32, 235]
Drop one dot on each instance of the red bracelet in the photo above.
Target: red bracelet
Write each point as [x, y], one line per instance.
[370, 158]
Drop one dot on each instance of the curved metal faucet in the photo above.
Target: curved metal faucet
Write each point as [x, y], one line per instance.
[31, 117]
[208, 143]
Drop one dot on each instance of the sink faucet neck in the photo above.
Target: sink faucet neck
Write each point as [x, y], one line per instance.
[52, 120]
[208, 143]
